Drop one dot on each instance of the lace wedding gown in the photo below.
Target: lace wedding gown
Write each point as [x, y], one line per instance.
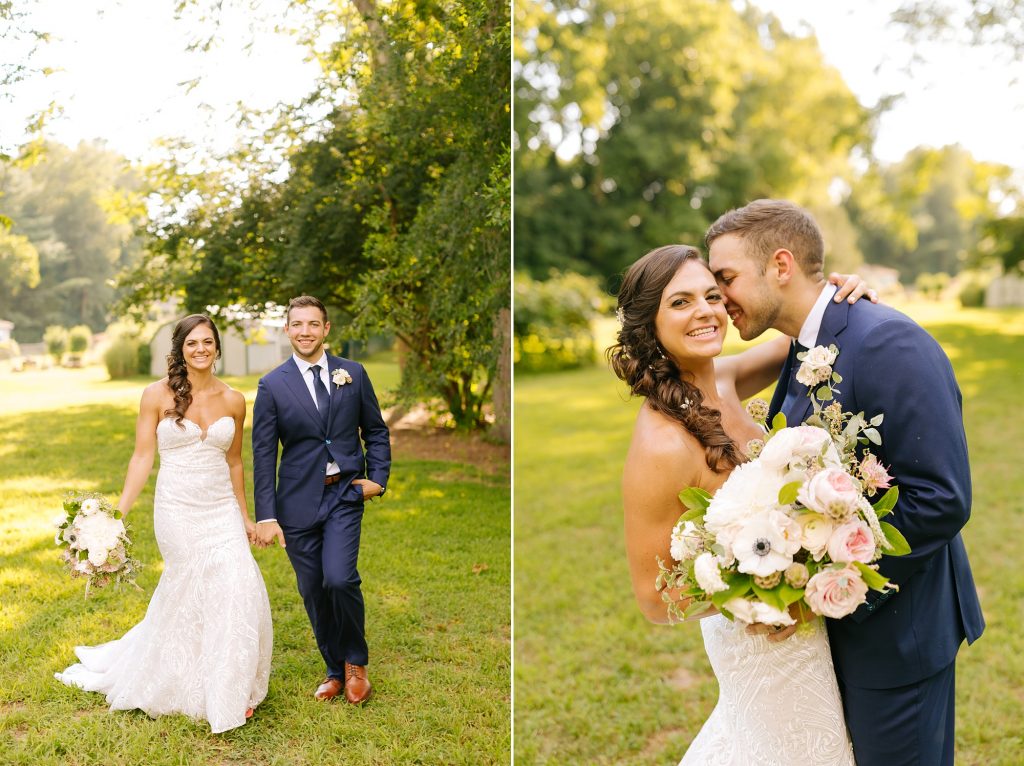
[203, 648]
[778, 703]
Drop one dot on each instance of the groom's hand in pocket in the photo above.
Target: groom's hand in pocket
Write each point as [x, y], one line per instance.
[370, 488]
[267, 532]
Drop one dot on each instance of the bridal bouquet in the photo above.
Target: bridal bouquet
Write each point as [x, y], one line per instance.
[95, 540]
[794, 525]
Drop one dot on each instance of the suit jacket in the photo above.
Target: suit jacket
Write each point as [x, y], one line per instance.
[285, 413]
[890, 365]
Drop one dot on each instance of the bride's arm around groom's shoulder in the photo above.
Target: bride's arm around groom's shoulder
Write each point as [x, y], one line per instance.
[661, 462]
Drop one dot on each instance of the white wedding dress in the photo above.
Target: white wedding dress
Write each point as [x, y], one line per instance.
[778, 702]
[203, 648]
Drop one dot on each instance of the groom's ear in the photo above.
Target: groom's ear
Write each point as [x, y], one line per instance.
[784, 263]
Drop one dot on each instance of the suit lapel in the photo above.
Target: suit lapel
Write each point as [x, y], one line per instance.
[293, 379]
[832, 325]
[334, 363]
[782, 384]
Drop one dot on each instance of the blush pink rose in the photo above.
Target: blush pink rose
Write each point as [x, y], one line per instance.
[836, 593]
[831, 492]
[852, 541]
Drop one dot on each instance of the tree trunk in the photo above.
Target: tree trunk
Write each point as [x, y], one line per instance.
[502, 429]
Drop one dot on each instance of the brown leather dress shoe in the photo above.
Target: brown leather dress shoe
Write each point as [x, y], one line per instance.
[328, 689]
[357, 685]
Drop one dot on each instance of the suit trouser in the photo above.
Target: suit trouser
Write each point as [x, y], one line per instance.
[324, 557]
[910, 725]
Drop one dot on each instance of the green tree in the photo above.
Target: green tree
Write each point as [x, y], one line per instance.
[395, 211]
[78, 208]
[638, 125]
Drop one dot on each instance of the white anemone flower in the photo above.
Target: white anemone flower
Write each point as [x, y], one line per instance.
[766, 544]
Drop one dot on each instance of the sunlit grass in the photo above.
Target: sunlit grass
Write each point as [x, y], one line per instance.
[435, 567]
[596, 684]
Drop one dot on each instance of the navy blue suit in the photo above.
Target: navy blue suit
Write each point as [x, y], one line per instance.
[895, 655]
[321, 523]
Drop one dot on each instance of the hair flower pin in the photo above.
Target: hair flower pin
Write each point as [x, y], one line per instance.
[340, 377]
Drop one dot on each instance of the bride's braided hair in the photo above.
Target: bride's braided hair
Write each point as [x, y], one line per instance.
[177, 372]
[637, 357]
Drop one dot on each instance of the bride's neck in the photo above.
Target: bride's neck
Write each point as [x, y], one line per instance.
[702, 375]
[201, 381]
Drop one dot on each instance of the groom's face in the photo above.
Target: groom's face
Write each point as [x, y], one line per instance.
[307, 330]
[751, 302]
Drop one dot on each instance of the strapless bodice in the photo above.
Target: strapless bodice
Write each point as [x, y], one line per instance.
[187, 446]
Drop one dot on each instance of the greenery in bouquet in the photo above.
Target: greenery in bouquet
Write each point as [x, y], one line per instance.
[794, 528]
[95, 541]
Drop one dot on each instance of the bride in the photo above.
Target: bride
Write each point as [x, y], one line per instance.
[203, 649]
[778, 700]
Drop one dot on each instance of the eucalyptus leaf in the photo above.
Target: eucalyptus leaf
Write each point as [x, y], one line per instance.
[873, 436]
[877, 419]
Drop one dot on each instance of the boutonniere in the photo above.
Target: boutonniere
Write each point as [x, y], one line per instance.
[341, 377]
[816, 365]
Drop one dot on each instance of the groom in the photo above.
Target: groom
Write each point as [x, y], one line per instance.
[322, 410]
[895, 656]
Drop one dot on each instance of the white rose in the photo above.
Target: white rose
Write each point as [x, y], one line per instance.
[750, 612]
[766, 544]
[741, 609]
[686, 541]
[816, 366]
[705, 569]
[797, 447]
[831, 492]
[815, 532]
[769, 615]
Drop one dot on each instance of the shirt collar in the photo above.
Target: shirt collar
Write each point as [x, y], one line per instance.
[304, 366]
[809, 332]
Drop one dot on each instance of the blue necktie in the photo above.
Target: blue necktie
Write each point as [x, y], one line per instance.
[795, 389]
[323, 400]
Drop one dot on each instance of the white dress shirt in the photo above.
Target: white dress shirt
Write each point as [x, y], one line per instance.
[303, 365]
[809, 332]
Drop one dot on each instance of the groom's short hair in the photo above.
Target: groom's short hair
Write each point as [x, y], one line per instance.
[305, 300]
[770, 224]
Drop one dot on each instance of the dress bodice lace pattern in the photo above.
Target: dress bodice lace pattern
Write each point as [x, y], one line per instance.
[778, 702]
[204, 647]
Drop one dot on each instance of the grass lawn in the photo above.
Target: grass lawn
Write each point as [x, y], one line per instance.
[597, 684]
[435, 565]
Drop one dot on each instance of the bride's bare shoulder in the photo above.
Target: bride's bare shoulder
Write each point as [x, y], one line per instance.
[660, 443]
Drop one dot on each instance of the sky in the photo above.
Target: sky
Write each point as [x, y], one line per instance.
[959, 95]
[121, 70]
[121, 64]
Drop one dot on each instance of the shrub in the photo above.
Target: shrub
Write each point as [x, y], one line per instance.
[122, 357]
[9, 349]
[973, 286]
[56, 340]
[553, 321]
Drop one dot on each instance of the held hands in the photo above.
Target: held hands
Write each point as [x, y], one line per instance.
[267, 532]
[371, 489]
[250, 530]
[851, 287]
